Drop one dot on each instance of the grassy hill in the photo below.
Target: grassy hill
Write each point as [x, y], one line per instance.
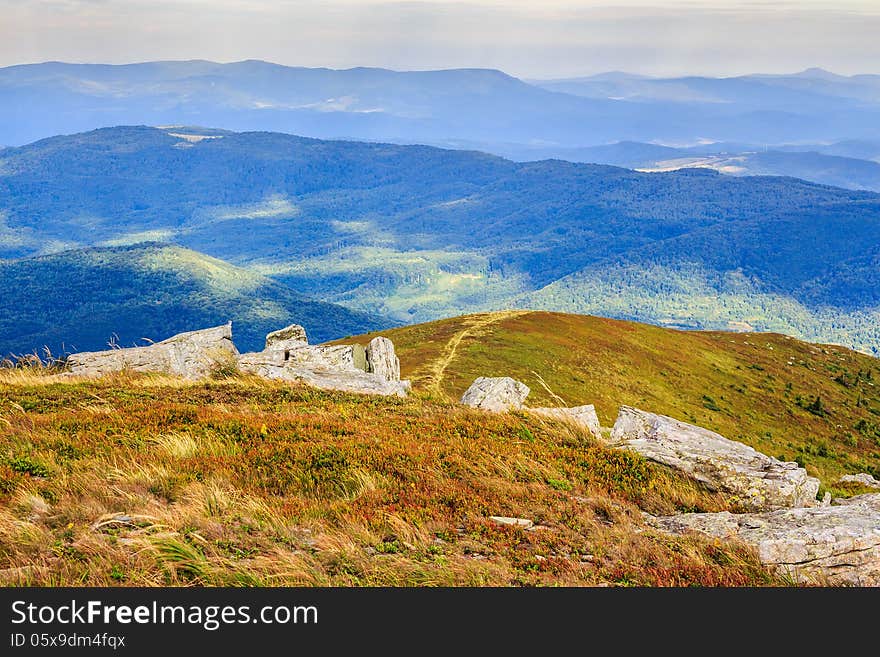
[758, 388]
[149, 480]
[85, 299]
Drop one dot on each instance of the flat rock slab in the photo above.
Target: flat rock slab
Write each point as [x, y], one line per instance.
[192, 355]
[752, 480]
[525, 523]
[835, 545]
[329, 379]
[583, 416]
[497, 394]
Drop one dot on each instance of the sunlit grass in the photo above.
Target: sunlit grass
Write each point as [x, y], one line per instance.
[146, 480]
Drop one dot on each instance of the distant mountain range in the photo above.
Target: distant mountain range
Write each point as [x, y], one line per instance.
[411, 233]
[850, 164]
[90, 299]
[476, 108]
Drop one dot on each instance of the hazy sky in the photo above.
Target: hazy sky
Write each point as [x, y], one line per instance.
[550, 38]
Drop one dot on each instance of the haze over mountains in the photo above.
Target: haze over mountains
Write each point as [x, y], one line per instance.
[414, 232]
[806, 114]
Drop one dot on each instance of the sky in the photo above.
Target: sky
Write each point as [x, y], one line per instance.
[543, 39]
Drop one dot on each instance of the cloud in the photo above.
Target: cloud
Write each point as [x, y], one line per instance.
[552, 38]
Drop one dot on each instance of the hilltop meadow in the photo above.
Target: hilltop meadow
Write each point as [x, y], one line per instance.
[149, 480]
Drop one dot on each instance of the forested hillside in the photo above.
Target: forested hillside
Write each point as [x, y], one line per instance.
[416, 233]
[96, 298]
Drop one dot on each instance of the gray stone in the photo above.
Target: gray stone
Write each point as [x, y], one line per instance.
[381, 359]
[583, 416]
[496, 394]
[862, 478]
[350, 357]
[752, 480]
[833, 545]
[287, 356]
[352, 380]
[192, 355]
[290, 337]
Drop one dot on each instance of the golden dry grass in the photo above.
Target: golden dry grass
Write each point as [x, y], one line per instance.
[149, 480]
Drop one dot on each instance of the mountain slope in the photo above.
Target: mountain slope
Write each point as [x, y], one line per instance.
[823, 164]
[249, 482]
[812, 89]
[418, 233]
[807, 274]
[847, 164]
[370, 103]
[755, 388]
[85, 299]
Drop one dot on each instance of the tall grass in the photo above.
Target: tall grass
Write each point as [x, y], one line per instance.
[149, 480]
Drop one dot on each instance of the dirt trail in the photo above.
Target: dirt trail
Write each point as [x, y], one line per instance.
[473, 327]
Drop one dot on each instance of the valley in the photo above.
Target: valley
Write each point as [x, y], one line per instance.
[414, 233]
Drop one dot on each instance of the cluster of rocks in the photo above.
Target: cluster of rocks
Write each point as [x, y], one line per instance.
[811, 541]
[287, 356]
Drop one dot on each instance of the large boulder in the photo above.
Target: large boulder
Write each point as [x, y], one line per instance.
[192, 355]
[290, 337]
[836, 545]
[754, 481]
[496, 394]
[583, 416]
[337, 357]
[381, 359]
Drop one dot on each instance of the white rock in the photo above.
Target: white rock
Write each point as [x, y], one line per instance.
[290, 337]
[192, 355]
[751, 479]
[287, 356]
[381, 359]
[329, 379]
[496, 394]
[329, 367]
[525, 523]
[836, 545]
[584, 416]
